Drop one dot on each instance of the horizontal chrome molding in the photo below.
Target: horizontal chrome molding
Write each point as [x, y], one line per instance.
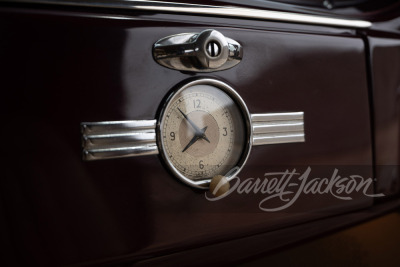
[277, 128]
[208, 10]
[118, 139]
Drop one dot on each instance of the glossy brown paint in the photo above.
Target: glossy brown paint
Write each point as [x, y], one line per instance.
[385, 55]
[60, 70]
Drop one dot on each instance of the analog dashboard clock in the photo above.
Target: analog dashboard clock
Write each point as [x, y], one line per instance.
[204, 130]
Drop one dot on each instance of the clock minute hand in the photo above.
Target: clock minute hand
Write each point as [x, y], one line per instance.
[196, 129]
[194, 139]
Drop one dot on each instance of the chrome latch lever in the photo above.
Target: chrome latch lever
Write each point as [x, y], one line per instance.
[207, 51]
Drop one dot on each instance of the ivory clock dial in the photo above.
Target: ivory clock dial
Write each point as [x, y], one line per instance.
[202, 132]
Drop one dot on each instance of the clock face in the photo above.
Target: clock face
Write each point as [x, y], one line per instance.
[204, 132]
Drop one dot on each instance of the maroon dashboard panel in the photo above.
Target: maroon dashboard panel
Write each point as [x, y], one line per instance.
[63, 68]
[386, 84]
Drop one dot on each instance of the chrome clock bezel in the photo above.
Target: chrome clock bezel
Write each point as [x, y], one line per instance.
[247, 122]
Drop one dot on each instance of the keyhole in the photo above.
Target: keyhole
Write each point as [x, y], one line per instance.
[213, 49]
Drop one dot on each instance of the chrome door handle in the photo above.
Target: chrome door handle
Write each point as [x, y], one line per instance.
[207, 51]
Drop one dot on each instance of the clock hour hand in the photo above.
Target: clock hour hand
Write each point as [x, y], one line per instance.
[203, 134]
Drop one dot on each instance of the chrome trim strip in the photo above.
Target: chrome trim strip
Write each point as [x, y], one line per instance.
[117, 139]
[277, 128]
[208, 10]
[287, 116]
[109, 127]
